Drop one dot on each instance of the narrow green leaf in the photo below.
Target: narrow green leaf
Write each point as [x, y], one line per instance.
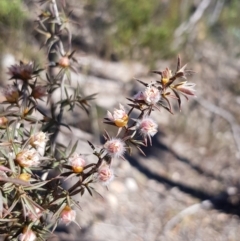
[74, 148]
[89, 190]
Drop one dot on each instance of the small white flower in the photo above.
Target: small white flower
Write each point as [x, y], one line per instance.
[68, 215]
[77, 162]
[28, 158]
[115, 147]
[39, 140]
[147, 126]
[151, 95]
[105, 174]
[119, 116]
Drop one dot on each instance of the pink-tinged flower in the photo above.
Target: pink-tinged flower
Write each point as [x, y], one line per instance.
[11, 93]
[21, 71]
[105, 174]
[185, 88]
[151, 95]
[77, 162]
[115, 147]
[68, 215]
[39, 140]
[119, 116]
[27, 235]
[39, 91]
[64, 62]
[3, 121]
[166, 75]
[28, 158]
[147, 127]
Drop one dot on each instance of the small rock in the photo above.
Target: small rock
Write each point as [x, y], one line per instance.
[112, 200]
[117, 186]
[131, 184]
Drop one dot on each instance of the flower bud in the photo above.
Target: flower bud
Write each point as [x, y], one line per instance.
[115, 147]
[26, 112]
[166, 75]
[21, 71]
[11, 94]
[39, 91]
[119, 116]
[105, 174]
[24, 176]
[77, 162]
[68, 215]
[151, 95]
[64, 62]
[147, 126]
[3, 121]
[186, 88]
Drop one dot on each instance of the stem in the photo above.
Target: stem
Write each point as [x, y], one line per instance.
[62, 51]
[56, 13]
[54, 136]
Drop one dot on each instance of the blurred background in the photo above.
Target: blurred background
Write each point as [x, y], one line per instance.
[187, 188]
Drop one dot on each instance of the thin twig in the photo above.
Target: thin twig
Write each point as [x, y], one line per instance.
[56, 13]
[62, 51]
[188, 25]
[177, 218]
[226, 115]
[57, 16]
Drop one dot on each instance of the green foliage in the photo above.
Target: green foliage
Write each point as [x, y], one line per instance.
[12, 19]
[230, 14]
[143, 29]
[11, 14]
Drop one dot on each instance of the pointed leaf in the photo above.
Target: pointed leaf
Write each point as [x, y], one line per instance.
[179, 99]
[89, 190]
[74, 148]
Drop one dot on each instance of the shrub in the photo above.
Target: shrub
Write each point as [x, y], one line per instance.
[33, 202]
